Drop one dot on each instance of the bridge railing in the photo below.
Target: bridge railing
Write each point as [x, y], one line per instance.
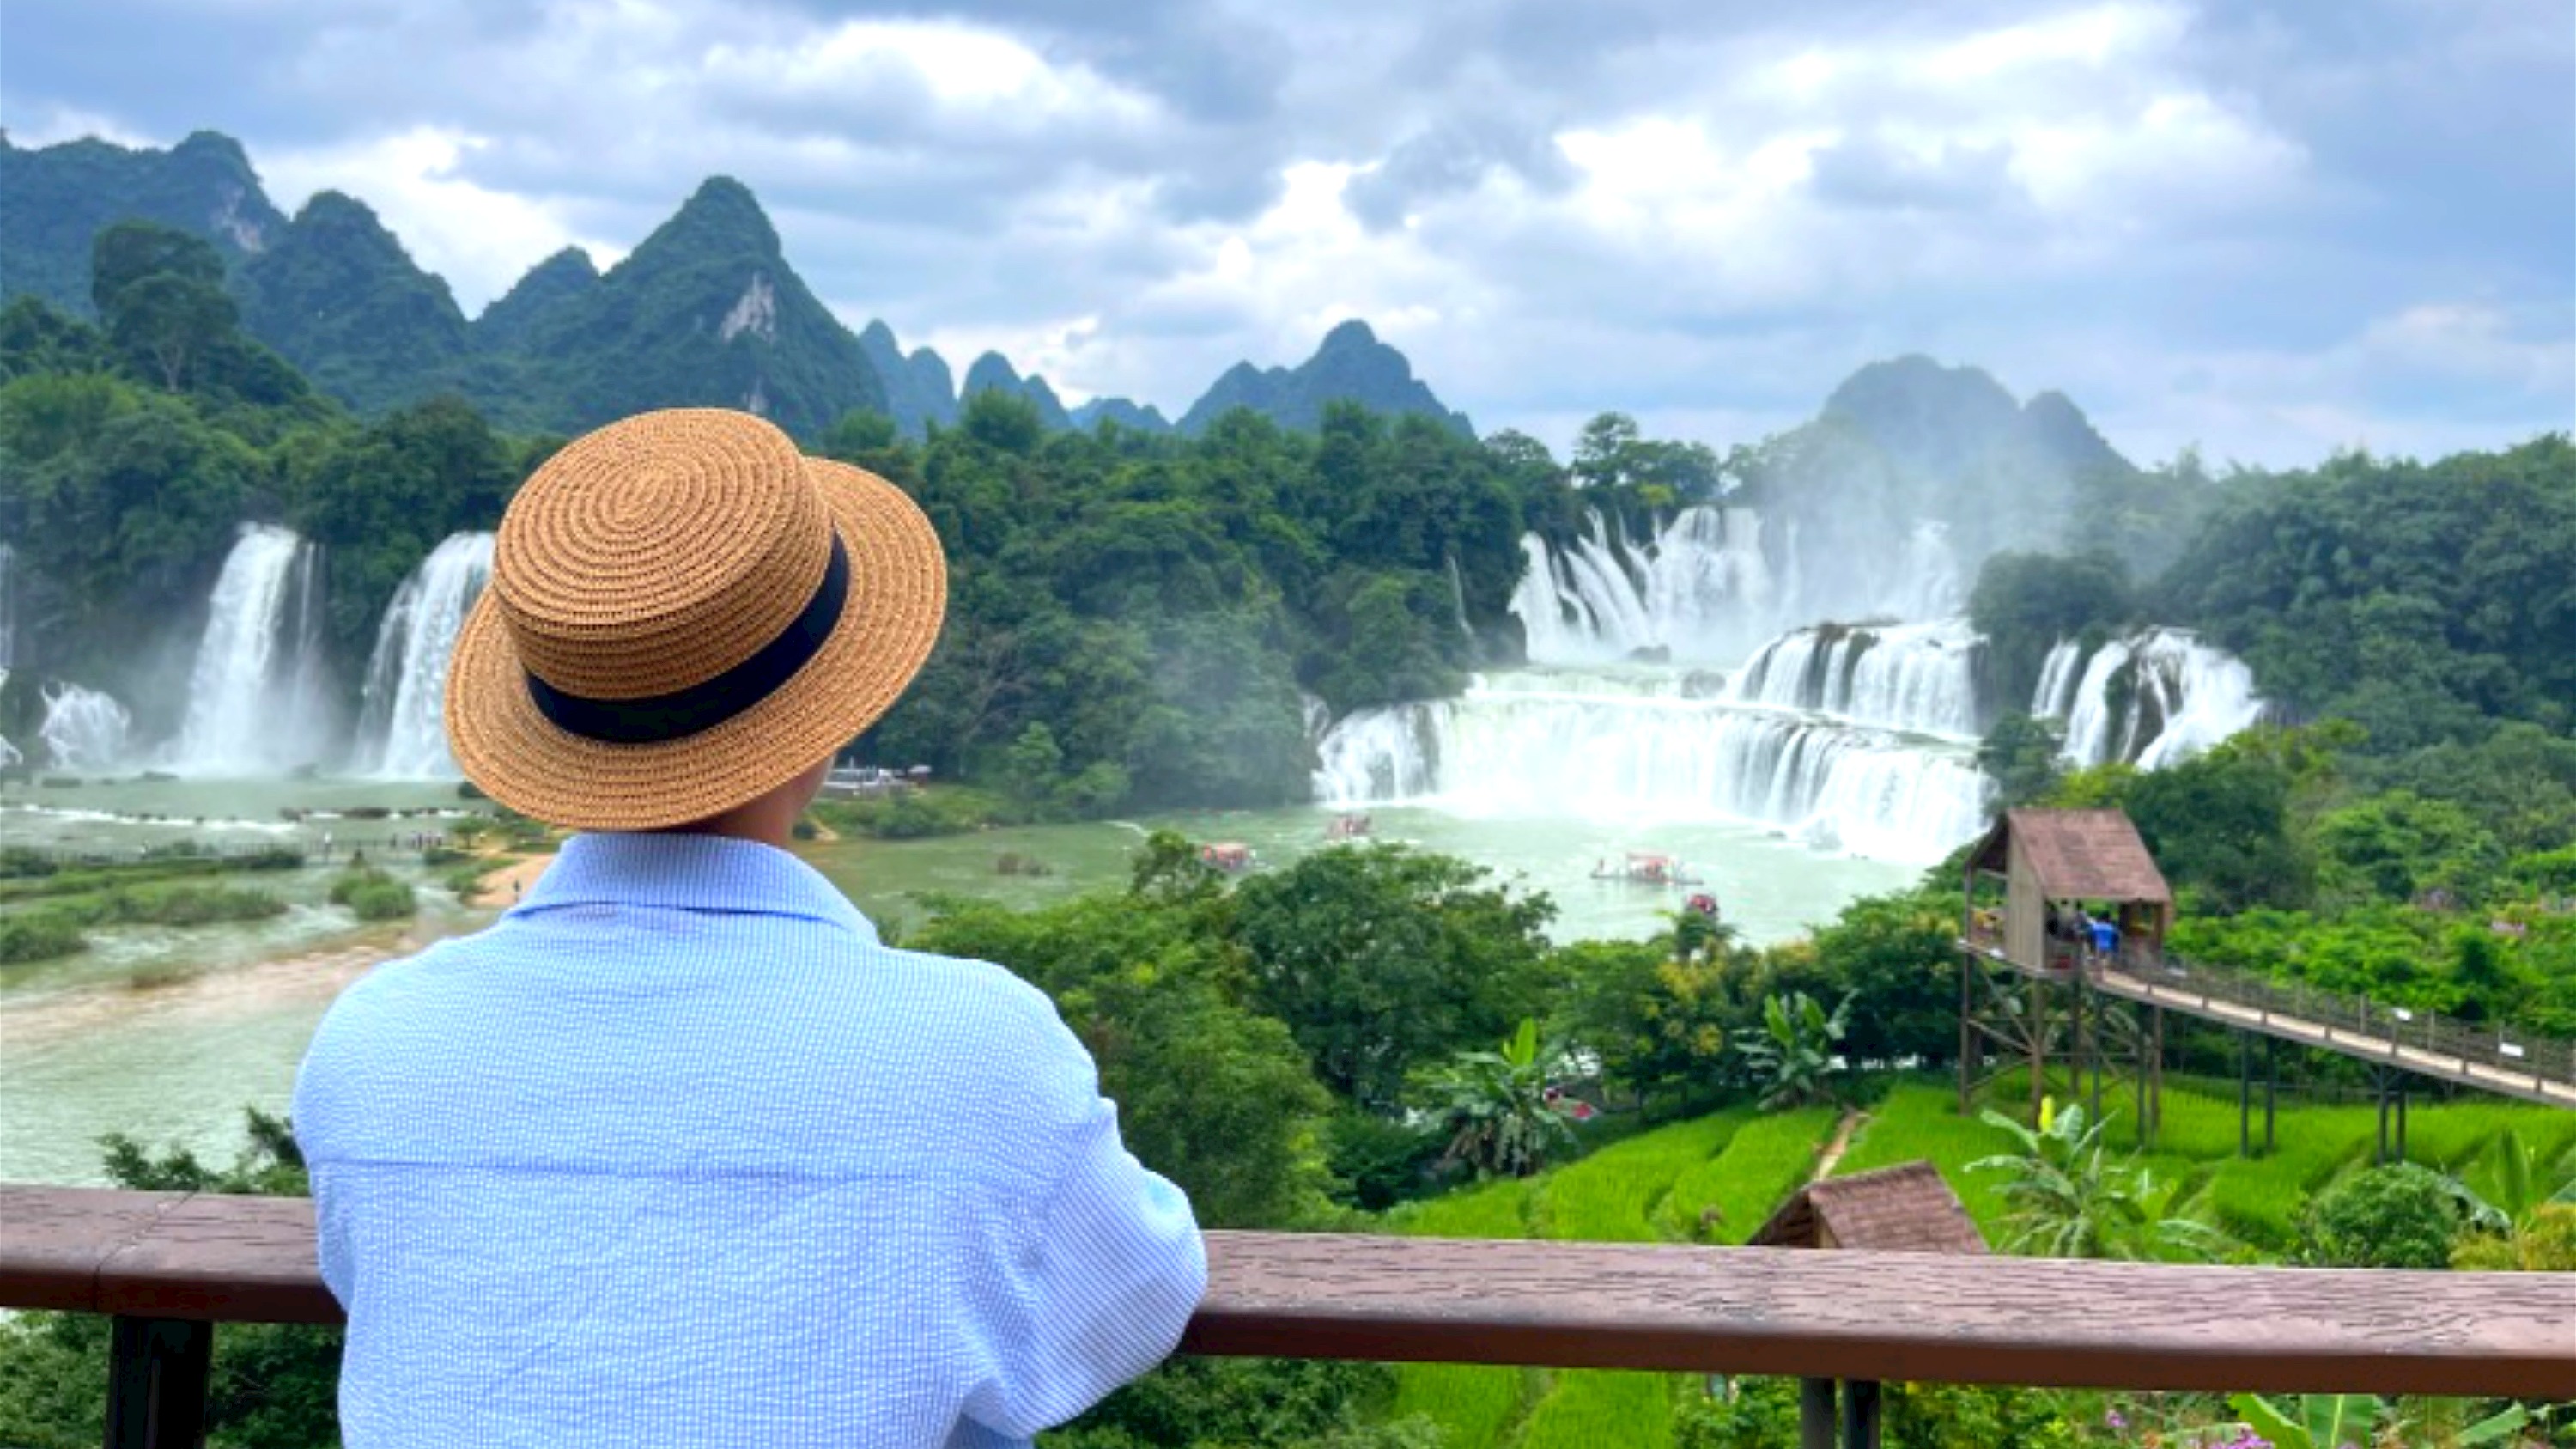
[2506, 1050]
[169, 1266]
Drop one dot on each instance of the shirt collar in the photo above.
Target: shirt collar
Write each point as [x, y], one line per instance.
[690, 873]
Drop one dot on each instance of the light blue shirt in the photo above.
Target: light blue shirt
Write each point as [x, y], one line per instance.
[678, 1152]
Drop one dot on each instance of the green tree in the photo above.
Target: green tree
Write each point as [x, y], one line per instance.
[2025, 603]
[2401, 1215]
[2220, 824]
[1382, 958]
[1495, 1109]
[2020, 754]
[1895, 957]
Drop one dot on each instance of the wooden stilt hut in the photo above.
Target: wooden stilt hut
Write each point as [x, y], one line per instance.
[2056, 867]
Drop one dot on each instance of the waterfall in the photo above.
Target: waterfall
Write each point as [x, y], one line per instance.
[1700, 589]
[9, 753]
[1926, 584]
[2183, 697]
[1318, 715]
[8, 609]
[1515, 750]
[2200, 695]
[2057, 679]
[1916, 677]
[2089, 722]
[84, 729]
[1382, 754]
[1708, 588]
[402, 729]
[256, 702]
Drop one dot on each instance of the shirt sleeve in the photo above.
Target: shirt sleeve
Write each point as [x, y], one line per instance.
[309, 1113]
[1111, 1269]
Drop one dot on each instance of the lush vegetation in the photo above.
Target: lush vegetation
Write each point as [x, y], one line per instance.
[2413, 837]
[373, 895]
[1134, 620]
[1234, 1049]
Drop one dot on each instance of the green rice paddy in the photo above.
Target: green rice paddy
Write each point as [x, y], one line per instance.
[1716, 1178]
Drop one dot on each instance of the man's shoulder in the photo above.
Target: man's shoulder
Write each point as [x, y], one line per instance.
[991, 998]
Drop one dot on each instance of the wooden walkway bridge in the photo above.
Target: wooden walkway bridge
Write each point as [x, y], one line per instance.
[2504, 1061]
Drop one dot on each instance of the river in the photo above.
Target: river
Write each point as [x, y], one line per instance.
[166, 1034]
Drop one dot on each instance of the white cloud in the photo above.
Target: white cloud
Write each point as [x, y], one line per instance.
[57, 124]
[1658, 206]
[481, 240]
[959, 67]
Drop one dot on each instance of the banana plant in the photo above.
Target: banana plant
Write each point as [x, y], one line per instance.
[2346, 1421]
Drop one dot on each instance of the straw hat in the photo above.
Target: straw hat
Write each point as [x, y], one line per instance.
[684, 614]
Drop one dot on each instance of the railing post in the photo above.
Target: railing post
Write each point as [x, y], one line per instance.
[156, 1383]
[1860, 1414]
[1815, 1414]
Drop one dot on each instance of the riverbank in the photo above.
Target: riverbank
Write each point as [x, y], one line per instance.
[503, 879]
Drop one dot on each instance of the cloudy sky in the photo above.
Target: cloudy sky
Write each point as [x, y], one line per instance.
[2271, 229]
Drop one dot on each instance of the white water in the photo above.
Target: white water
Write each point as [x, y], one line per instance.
[8, 609]
[9, 753]
[402, 730]
[256, 702]
[2201, 694]
[2057, 680]
[2184, 697]
[1709, 586]
[1700, 589]
[1920, 678]
[1526, 749]
[84, 729]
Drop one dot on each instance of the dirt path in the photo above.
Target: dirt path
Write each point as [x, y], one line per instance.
[506, 884]
[1841, 1142]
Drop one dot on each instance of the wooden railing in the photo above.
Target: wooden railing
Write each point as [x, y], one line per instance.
[167, 1266]
[2505, 1051]
[2493, 1058]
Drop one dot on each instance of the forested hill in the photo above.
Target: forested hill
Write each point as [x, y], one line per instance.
[60, 197]
[706, 311]
[1134, 615]
[1351, 365]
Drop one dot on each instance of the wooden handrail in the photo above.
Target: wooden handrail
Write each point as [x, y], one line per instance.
[1846, 1315]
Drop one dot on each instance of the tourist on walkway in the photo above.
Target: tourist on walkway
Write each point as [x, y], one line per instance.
[624, 1168]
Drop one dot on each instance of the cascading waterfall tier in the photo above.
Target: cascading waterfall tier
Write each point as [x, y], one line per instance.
[1699, 589]
[2152, 699]
[1516, 746]
[8, 609]
[1709, 585]
[1920, 678]
[402, 729]
[257, 702]
[84, 729]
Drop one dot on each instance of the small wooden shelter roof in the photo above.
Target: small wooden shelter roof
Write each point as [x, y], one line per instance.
[2087, 855]
[1902, 1209]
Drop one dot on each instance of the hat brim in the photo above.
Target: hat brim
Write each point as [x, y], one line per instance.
[898, 597]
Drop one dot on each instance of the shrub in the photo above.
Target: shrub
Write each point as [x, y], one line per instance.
[180, 906]
[2398, 1216]
[20, 861]
[39, 937]
[374, 896]
[1383, 1160]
